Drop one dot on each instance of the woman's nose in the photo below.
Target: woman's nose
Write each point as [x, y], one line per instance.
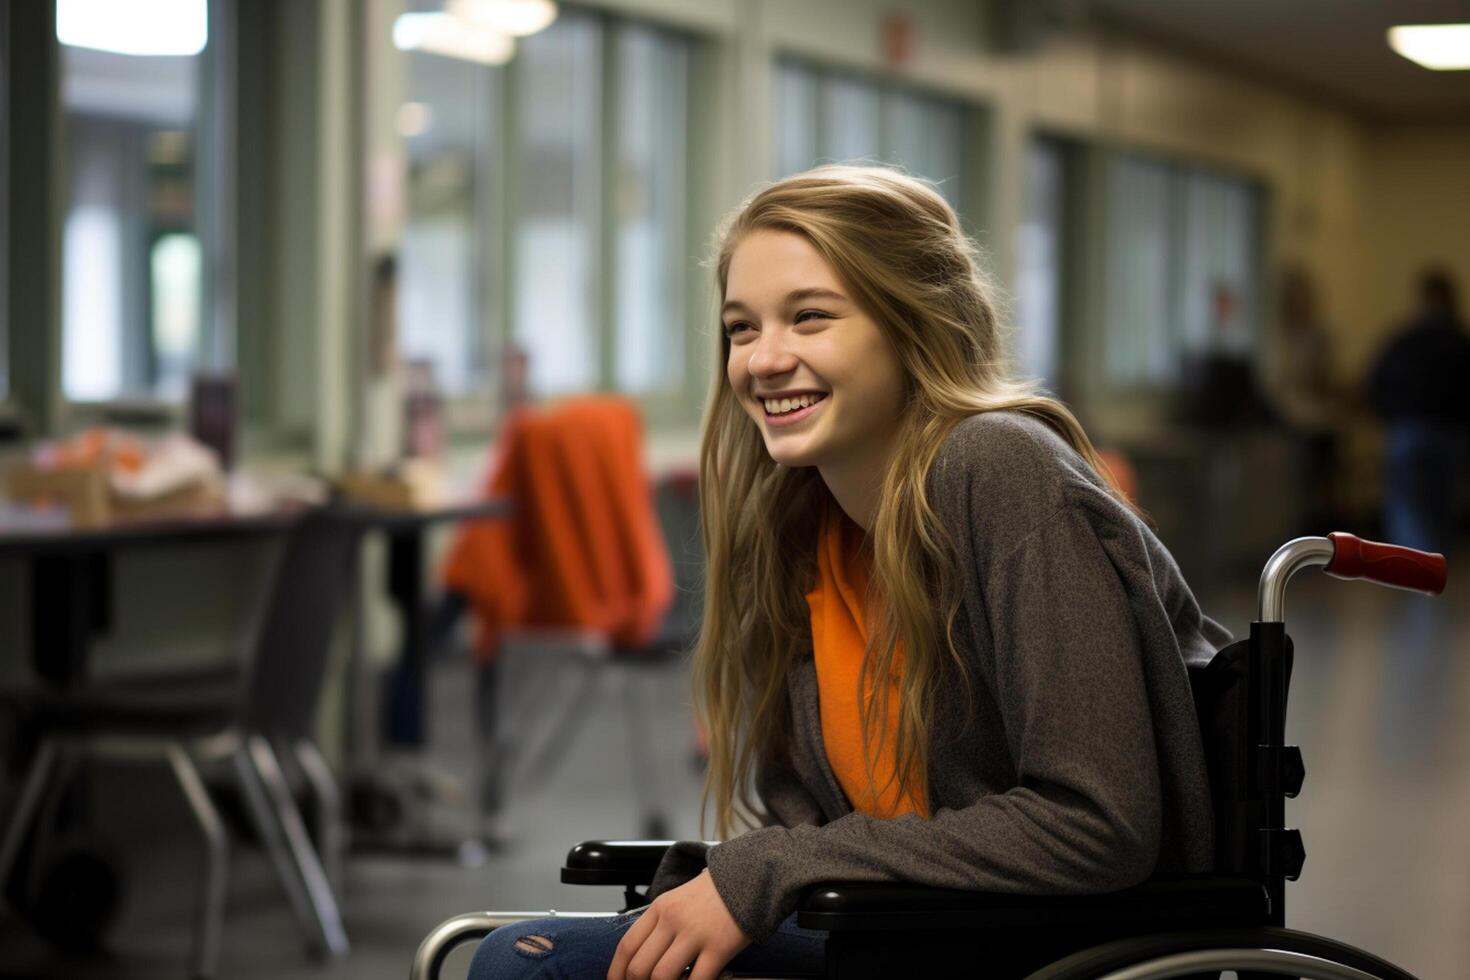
[771, 355]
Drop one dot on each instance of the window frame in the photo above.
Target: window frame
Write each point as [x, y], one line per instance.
[471, 415]
[214, 142]
[1070, 155]
[8, 414]
[974, 205]
[1179, 168]
[33, 274]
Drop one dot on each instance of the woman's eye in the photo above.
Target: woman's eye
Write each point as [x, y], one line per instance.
[815, 313]
[731, 329]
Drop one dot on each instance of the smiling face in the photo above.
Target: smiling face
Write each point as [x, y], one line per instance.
[813, 370]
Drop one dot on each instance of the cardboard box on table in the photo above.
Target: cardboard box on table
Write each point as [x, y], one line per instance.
[91, 502]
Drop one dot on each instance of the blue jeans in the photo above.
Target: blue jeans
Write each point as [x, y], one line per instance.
[1424, 462]
[582, 949]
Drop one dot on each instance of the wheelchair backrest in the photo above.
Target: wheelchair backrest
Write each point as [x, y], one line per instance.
[1227, 702]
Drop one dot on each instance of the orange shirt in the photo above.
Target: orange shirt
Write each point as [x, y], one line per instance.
[839, 639]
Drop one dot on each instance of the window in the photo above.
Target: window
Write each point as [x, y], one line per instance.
[1183, 258]
[558, 142]
[652, 199]
[449, 273]
[1040, 246]
[824, 116]
[134, 272]
[547, 204]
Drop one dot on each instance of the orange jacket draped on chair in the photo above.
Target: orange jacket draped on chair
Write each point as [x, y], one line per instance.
[583, 548]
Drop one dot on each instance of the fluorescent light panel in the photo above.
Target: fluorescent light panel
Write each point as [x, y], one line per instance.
[517, 18]
[447, 35]
[1442, 47]
[139, 27]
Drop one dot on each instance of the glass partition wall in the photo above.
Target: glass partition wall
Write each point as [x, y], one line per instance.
[827, 116]
[547, 206]
[135, 266]
[1184, 253]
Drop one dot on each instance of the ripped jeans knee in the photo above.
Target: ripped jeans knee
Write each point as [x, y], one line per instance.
[550, 949]
[534, 946]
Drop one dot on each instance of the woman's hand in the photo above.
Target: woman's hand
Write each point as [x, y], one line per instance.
[688, 924]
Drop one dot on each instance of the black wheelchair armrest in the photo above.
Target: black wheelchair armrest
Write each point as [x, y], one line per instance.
[613, 862]
[883, 906]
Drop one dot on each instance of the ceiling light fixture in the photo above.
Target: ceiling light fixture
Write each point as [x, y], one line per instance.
[453, 37]
[1442, 47]
[143, 27]
[515, 17]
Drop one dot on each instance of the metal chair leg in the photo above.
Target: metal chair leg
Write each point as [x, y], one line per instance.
[529, 680]
[211, 910]
[494, 714]
[540, 762]
[303, 854]
[49, 810]
[25, 809]
[642, 755]
[328, 807]
[320, 920]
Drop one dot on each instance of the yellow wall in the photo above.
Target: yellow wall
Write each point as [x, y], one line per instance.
[1417, 206]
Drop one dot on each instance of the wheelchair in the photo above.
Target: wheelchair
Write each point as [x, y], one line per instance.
[1181, 925]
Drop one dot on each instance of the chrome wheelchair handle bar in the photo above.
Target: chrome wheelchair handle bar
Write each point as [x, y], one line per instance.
[1289, 559]
[438, 944]
[1344, 555]
[1275, 961]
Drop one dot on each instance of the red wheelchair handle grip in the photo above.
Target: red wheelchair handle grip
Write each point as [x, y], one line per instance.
[1386, 564]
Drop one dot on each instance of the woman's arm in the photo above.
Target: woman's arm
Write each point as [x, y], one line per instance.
[785, 802]
[784, 797]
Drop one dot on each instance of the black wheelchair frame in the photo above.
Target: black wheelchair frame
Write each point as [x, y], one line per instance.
[1185, 925]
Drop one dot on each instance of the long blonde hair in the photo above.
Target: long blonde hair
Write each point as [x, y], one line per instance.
[898, 247]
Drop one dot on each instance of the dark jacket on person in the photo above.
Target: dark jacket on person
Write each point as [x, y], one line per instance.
[1423, 375]
[1082, 769]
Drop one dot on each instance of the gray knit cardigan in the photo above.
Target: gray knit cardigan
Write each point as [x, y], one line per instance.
[1082, 770]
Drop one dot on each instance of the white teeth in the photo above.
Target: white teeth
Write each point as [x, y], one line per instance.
[780, 406]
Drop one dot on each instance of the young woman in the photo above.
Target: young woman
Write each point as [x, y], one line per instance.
[935, 640]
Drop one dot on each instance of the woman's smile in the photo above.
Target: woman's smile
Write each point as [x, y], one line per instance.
[782, 412]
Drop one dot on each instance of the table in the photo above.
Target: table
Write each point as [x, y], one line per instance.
[407, 689]
[401, 722]
[71, 585]
[71, 577]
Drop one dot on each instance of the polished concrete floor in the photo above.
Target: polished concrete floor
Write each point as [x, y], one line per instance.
[1381, 707]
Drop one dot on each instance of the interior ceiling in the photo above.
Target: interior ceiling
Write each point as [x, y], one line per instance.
[1337, 48]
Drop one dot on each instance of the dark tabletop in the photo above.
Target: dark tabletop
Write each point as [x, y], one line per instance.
[24, 542]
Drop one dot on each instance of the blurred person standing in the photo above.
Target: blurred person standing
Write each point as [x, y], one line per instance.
[1418, 386]
[1220, 390]
[1299, 386]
